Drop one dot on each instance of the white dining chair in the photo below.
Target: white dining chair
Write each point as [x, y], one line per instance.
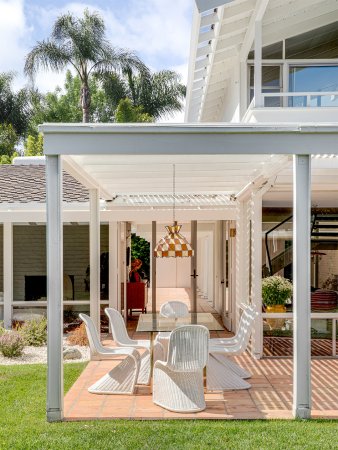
[122, 378]
[178, 382]
[221, 349]
[173, 309]
[122, 339]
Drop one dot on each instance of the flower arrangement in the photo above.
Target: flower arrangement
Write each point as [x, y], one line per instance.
[276, 290]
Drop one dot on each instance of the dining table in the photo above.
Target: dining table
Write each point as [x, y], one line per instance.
[155, 323]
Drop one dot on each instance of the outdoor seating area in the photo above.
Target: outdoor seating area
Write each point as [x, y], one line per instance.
[195, 373]
[270, 395]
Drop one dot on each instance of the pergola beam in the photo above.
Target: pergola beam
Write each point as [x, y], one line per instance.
[190, 139]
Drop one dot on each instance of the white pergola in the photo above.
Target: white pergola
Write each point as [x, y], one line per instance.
[240, 161]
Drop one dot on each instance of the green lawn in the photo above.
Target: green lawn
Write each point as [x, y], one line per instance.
[23, 425]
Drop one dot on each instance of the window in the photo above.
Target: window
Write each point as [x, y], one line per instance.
[313, 79]
[271, 83]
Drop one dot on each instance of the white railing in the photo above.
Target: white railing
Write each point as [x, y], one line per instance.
[307, 99]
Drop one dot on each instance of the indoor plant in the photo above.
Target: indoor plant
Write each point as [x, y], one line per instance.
[276, 291]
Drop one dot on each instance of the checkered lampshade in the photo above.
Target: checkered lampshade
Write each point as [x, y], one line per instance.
[173, 244]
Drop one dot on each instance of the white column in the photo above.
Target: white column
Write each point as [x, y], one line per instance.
[119, 266]
[242, 259]
[256, 273]
[113, 265]
[54, 288]
[193, 267]
[8, 274]
[94, 251]
[301, 287]
[153, 267]
[258, 64]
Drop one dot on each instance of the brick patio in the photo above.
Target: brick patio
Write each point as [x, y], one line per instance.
[270, 396]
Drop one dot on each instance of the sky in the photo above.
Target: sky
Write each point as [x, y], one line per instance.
[157, 30]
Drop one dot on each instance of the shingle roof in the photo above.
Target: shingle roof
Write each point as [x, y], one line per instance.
[26, 183]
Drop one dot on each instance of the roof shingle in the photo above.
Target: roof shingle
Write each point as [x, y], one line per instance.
[27, 183]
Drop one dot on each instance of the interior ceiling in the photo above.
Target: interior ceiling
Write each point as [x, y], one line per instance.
[223, 35]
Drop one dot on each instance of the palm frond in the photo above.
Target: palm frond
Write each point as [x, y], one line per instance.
[46, 55]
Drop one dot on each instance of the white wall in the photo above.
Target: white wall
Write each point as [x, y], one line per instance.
[29, 246]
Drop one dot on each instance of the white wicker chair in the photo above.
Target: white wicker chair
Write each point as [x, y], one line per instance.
[122, 378]
[221, 349]
[174, 309]
[178, 383]
[122, 339]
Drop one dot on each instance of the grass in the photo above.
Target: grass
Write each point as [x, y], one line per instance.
[23, 425]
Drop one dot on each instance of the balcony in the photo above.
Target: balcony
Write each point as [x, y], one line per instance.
[286, 107]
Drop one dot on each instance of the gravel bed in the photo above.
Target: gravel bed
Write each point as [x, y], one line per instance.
[38, 355]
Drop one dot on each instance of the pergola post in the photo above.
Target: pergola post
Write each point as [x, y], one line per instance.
[113, 265]
[94, 251]
[256, 273]
[242, 259]
[54, 288]
[8, 273]
[301, 287]
[153, 267]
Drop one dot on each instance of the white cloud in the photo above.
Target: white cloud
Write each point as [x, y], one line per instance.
[13, 37]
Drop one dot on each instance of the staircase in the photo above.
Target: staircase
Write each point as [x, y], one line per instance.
[324, 236]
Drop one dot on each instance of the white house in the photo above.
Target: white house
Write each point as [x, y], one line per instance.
[260, 139]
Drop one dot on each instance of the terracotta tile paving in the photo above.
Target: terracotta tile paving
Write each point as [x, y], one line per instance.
[270, 396]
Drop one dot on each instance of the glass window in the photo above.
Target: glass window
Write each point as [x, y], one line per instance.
[321, 43]
[271, 82]
[313, 79]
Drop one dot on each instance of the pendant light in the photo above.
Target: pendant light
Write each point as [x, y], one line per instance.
[173, 245]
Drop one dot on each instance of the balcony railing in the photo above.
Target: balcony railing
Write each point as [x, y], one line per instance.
[300, 99]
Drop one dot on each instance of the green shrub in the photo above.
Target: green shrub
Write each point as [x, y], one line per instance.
[276, 290]
[2, 329]
[34, 332]
[11, 344]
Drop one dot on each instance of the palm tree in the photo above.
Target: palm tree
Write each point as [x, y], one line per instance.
[159, 94]
[81, 43]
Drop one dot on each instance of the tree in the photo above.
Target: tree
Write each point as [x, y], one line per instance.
[8, 141]
[81, 43]
[15, 107]
[140, 249]
[34, 145]
[127, 112]
[159, 94]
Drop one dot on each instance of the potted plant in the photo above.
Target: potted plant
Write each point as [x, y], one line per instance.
[276, 292]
